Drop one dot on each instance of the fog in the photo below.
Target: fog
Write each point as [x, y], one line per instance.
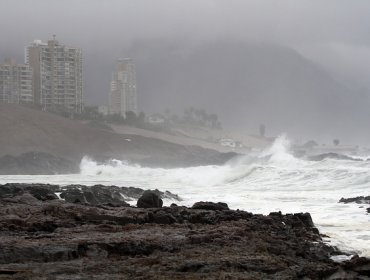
[297, 66]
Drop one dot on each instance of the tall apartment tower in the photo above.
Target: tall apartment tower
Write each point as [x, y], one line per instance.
[122, 96]
[57, 75]
[15, 83]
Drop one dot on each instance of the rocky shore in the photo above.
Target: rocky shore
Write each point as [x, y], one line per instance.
[95, 234]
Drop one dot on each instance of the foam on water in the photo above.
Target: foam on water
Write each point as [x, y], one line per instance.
[273, 181]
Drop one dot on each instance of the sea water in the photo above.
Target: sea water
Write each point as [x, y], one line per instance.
[273, 180]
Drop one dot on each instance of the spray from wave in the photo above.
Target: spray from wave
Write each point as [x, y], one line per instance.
[234, 172]
[279, 150]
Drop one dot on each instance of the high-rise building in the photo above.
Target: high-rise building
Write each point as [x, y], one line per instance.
[122, 98]
[57, 75]
[15, 83]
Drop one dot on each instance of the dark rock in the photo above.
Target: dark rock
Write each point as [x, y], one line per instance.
[94, 195]
[46, 226]
[42, 193]
[305, 218]
[42, 239]
[191, 266]
[39, 191]
[10, 190]
[162, 218]
[359, 265]
[111, 196]
[149, 199]
[358, 199]
[210, 206]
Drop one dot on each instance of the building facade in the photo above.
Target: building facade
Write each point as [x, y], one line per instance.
[57, 75]
[15, 83]
[123, 96]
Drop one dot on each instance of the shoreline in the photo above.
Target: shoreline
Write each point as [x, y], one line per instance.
[40, 163]
[43, 235]
[36, 142]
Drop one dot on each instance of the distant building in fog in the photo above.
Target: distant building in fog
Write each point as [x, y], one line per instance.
[15, 83]
[57, 75]
[122, 96]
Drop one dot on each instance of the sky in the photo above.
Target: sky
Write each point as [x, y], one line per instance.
[332, 33]
[83, 22]
[338, 27]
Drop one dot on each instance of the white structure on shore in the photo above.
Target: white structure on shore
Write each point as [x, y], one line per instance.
[15, 83]
[57, 75]
[123, 96]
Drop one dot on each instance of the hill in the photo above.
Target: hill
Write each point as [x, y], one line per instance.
[24, 130]
[249, 84]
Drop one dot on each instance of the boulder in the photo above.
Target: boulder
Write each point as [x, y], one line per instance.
[210, 206]
[149, 199]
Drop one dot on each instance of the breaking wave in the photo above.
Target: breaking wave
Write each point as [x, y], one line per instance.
[273, 180]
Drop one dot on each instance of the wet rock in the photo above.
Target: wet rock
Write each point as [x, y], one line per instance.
[149, 199]
[42, 239]
[97, 195]
[94, 195]
[161, 217]
[305, 218]
[39, 191]
[192, 266]
[42, 193]
[355, 268]
[10, 190]
[210, 206]
[358, 199]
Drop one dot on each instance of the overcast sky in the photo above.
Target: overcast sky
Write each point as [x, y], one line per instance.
[333, 33]
[336, 31]
[314, 26]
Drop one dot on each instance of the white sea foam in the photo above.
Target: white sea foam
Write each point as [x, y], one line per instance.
[273, 181]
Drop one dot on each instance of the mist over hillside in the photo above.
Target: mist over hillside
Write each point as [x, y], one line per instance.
[246, 84]
[249, 84]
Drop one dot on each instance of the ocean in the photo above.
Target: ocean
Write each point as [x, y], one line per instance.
[273, 180]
